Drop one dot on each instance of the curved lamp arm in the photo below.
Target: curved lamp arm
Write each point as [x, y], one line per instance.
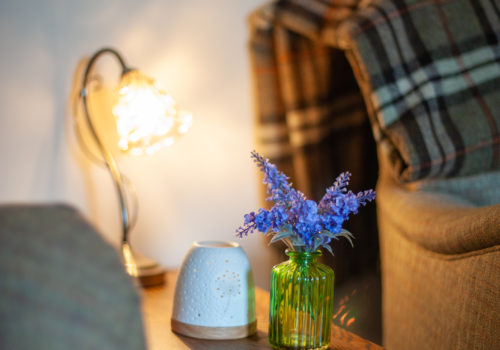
[106, 154]
[140, 133]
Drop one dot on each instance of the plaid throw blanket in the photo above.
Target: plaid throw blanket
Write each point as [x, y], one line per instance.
[311, 119]
[429, 72]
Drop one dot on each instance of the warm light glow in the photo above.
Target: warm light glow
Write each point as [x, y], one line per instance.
[147, 117]
[343, 311]
[339, 311]
[130, 265]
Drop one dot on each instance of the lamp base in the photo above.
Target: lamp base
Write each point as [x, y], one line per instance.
[145, 270]
[151, 274]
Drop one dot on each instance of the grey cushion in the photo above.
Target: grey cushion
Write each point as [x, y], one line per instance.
[480, 189]
[437, 220]
[61, 285]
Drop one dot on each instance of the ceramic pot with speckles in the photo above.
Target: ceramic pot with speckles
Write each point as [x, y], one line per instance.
[215, 294]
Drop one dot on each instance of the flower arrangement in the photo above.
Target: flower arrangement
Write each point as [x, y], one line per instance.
[302, 224]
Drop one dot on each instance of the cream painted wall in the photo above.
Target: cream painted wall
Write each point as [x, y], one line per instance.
[198, 189]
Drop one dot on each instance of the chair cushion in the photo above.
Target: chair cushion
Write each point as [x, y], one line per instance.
[437, 220]
[61, 285]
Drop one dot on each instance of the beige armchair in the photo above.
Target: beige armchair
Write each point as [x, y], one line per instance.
[440, 257]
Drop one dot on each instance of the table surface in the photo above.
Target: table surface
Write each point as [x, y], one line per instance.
[157, 305]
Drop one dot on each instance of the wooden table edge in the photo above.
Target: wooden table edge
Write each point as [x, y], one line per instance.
[157, 303]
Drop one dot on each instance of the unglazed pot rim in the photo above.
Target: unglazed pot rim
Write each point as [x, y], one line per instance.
[215, 244]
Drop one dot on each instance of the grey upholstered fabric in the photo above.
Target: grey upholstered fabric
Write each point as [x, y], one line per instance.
[440, 270]
[61, 286]
[480, 189]
[437, 221]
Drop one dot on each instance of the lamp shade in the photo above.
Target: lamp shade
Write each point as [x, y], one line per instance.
[147, 117]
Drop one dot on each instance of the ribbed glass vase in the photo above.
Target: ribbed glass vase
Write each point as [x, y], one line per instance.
[301, 307]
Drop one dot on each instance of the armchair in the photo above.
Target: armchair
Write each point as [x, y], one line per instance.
[429, 75]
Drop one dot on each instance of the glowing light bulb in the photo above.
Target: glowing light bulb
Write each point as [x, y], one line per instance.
[147, 117]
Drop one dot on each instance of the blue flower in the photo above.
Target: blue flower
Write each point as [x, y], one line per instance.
[332, 223]
[302, 223]
[276, 181]
[263, 220]
[249, 218]
[279, 217]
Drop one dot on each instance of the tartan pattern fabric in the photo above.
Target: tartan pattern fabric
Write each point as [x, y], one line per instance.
[310, 110]
[311, 119]
[304, 90]
[429, 71]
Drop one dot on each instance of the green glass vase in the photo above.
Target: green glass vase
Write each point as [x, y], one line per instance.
[301, 306]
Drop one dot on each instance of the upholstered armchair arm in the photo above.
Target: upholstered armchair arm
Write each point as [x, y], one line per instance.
[440, 222]
[61, 285]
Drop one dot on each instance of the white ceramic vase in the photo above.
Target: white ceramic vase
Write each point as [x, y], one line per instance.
[215, 294]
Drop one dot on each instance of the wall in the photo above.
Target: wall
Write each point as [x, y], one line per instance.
[198, 189]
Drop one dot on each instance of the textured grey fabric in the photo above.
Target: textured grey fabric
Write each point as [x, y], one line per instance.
[440, 259]
[434, 300]
[480, 189]
[437, 221]
[61, 285]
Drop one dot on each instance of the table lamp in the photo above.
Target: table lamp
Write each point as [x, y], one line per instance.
[147, 119]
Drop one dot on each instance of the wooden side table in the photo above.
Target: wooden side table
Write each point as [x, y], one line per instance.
[157, 305]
